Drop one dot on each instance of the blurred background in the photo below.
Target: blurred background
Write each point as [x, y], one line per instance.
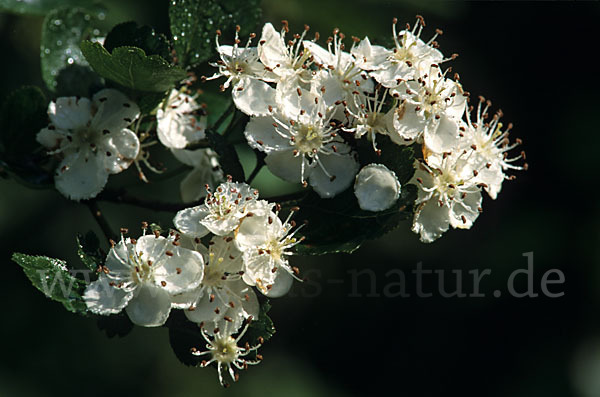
[338, 333]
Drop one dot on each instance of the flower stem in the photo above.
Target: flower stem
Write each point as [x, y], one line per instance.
[100, 219]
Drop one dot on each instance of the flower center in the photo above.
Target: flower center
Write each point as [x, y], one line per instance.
[308, 138]
[225, 350]
[143, 270]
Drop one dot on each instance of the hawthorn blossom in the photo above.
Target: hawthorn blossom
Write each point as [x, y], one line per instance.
[221, 212]
[206, 171]
[449, 194]
[302, 146]
[224, 350]
[222, 297]
[369, 118]
[245, 74]
[376, 188]
[491, 146]
[266, 242]
[142, 276]
[92, 140]
[178, 125]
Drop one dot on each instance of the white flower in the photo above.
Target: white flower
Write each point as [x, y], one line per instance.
[410, 56]
[338, 79]
[301, 144]
[93, 140]
[177, 123]
[244, 71]
[142, 276]
[428, 104]
[369, 119]
[225, 353]
[286, 61]
[376, 188]
[222, 297]
[449, 194]
[266, 242]
[220, 213]
[368, 56]
[207, 171]
[491, 146]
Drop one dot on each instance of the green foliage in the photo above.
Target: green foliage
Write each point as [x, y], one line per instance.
[261, 327]
[339, 225]
[183, 336]
[194, 24]
[62, 32]
[88, 250]
[42, 7]
[132, 68]
[143, 37]
[52, 277]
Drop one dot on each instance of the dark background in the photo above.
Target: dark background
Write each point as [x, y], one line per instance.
[534, 60]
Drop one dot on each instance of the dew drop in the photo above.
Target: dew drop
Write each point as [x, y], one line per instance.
[59, 43]
[70, 61]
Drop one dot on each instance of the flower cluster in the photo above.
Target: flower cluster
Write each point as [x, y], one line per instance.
[310, 105]
[248, 247]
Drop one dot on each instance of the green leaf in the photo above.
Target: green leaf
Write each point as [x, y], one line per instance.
[42, 7]
[88, 250]
[143, 37]
[339, 225]
[183, 336]
[52, 277]
[261, 327]
[228, 157]
[77, 80]
[399, 159]
[132, 68]
[194, 24]
[62, 32]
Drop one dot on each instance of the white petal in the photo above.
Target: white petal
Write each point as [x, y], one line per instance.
[102, 298]
[281, 285]
[150, 307]
[369, 57]
[431, 221]
[442, 135]
[181, 272]
[69, 113]
[253, 96]
[321, 54]
[152, 248]
[51, 138]
[115, 111]
[117, 259]
[120, 149]
[252, 232]
[392, 71]
[187, 221]
[81, 175]
[407, 124]
[273, 50]
[342, 167]
[376, 188]
[464, 212]
[287, 166]
[262, 129]
[204, 310]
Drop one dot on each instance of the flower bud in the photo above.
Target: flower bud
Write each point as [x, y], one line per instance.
[376, 188]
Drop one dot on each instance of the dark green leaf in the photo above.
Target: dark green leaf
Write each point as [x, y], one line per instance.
[183, 336]
[42, 7]
[228, 157]
[77, 80]
[52, 277]
[399, 159]
[339, 225]
[194, 24]
[131, 68]
[88, 250]
[62, 32]
[261, 327]
[144, 37]
[115, 325]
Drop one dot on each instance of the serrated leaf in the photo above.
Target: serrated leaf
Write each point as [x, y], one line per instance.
[261, 327]
[52, 277]
[42, 7]
[339, 225]
[62, 32]
[132, 68]
[88, 250]
[143, 37]
[194, 24]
